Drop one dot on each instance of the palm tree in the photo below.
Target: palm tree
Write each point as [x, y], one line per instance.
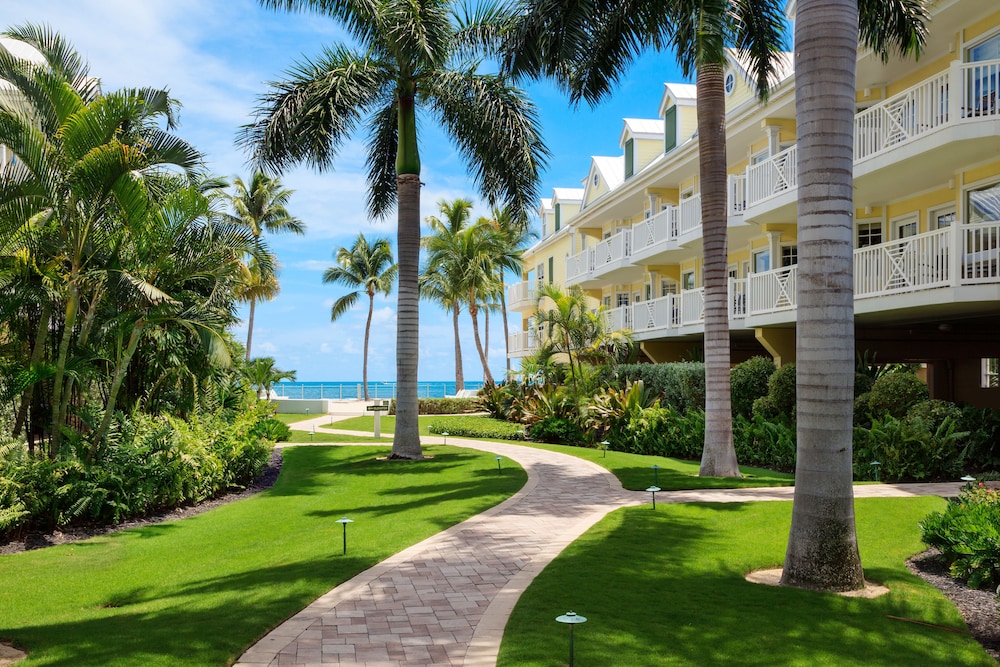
[261, 373]
[262, 206]
[514, 233]
[368, 267]
[444, 289]
[413, 53]
[88, 166]
[822, 543]
[589, 47]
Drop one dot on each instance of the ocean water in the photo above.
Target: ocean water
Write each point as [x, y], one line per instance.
[352, 390]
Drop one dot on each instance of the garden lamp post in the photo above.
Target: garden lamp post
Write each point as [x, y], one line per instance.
[343, 521]
[445, 434]
[604, 446]
[499, 459]
[571, 618]
[876, 464]
[653, 490]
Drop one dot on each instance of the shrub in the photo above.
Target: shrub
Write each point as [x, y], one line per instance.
[442, 406]
[779, 404]
[982, 448]
[609, 413]
[662, 431]
[763, 443]
[478, 427]
[557, 430]
[933, 412]
[273, 430]
[894, 394]
[680, 384]
[749, 382]
[908, 450]
[968, 535]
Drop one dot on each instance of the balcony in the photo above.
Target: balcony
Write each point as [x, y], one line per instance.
[522, 344]
[771, 177]
[522, 296]
[929, 268]
[609, 260]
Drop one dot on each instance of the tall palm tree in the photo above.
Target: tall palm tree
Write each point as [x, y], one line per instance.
[261, 206]
[514, 234]
[822, 543]
[588, 47]
[368, 267]
[412, 54]
[446, 290]
[262, 373]
[88, 165]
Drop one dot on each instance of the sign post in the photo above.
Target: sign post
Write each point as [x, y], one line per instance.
[378, 409]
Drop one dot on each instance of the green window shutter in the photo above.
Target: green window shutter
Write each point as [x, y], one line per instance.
[669, 129]
[629, 158]
[550, 270]
[558, 206]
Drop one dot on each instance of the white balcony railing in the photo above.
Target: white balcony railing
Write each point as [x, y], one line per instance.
[659, 229]
[520, 343]
[690, 214]
[772, 176]
[613, 249]
[737, 194]
[618, 319]
[771, 291]
[579, 266]
[521, 294]
[904, 265]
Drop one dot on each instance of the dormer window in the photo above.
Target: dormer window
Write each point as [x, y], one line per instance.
[730, 82]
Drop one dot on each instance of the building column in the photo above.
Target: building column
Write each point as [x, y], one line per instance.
[779, 343]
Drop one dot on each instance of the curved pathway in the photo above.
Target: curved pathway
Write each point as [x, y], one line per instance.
[446, 600]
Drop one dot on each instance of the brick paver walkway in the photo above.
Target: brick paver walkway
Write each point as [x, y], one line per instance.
[446, 600]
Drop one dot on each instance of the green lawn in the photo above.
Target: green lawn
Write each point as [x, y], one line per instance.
[666, 588]
[318, 436]
[636, 470]
[292, 418]
[199, 591]
[386, 422]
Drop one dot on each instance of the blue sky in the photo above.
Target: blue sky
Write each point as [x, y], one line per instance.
[215, 57]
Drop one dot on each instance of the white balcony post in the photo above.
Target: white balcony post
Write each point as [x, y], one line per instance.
[956, 90]
[956, 260]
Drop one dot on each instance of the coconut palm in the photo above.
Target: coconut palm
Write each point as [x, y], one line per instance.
[822, 543]
[89, 165]
[413, 54]
[261, 206]
[262, 374]
[589, 47]
[367, 267]
[514, 235]
[446, 290]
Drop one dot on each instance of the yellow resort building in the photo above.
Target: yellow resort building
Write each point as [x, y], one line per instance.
[927, 217]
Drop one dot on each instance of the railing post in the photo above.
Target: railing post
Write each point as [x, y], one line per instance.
[956, 259]
[956, 90]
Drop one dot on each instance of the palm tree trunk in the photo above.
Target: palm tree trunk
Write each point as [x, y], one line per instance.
[718, 457]
[459, 371]
[506, 327]
[474, 314]
[253, 302]
[41, 335]
[822, 544]
[58, 401]
[368, 327]
[406, 440]
[486, 332]
[116, 383]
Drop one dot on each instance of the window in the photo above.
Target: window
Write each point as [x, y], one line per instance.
[762, 261]
[982, 80]
[730, 82]
[733, 271]
[869, 233]
[941, 218]
[669, 129]
[759, 156]
[991, 373]
[667, 287]
[648, 292]
[540, 272]
[687, 280]
[984, 203]
[637, 297]
[905, 227]
[621, 299]
[596, 180]
[606, 302]
[789, 255]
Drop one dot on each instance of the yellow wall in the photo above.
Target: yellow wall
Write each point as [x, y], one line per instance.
[980, 28]
[646, 150]
[688, 123]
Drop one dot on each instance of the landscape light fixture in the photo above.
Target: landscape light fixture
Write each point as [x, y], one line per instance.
[653, 490]
[604, 446]
[499, 459]
[343, 521]
[571, 618]
[876, 464]
[445, 434]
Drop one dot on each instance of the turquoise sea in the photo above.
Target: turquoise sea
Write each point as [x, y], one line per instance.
[350, 390]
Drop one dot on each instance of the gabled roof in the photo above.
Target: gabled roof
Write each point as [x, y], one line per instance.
[641, 128]
[683, 94]
[567, 195]
[611, 169]
[784, 67]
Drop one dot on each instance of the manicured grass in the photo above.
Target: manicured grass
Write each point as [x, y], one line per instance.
[200, 591]
[636, 470]
[289, 418]
[307, 437]
[386, 422]
[666, 587]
